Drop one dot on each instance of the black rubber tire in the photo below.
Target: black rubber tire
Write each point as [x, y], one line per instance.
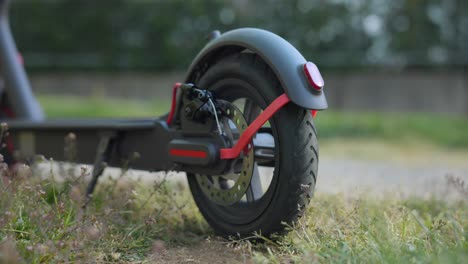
[296, 153]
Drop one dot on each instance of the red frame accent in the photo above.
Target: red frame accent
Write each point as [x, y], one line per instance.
[246, 137]
[188, 153]
[314, 113]
[20, 58]
[173, 104]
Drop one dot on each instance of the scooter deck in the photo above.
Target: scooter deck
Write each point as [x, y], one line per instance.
[81, 138]
[118, 124]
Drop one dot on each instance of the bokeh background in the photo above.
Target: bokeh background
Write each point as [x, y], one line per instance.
[164, 35]
[392, 184]
[402, 55]
[395, 72]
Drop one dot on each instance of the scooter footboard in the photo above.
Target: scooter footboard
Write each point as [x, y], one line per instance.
[141, 141]
[143, 144]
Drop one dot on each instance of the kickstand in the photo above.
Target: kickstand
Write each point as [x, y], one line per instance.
[103, 153]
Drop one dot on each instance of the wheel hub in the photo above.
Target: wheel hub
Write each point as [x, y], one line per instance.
[230, 187]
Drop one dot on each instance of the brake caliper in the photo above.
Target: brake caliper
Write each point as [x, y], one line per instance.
[230, 187]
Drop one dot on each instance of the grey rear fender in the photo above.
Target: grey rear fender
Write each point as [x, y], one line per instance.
[284, 60]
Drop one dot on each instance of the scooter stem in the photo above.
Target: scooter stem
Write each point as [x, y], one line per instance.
[17, 87]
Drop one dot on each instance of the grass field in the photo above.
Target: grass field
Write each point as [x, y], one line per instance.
[42, 221]
[88, 107]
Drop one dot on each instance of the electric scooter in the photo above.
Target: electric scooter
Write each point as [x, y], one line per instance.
[240, 126]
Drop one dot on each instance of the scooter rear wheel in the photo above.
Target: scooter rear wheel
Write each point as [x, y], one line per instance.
[279, 192]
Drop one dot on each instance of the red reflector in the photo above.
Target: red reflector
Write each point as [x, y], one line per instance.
[188, 153]
[313, 76]
[313, 112]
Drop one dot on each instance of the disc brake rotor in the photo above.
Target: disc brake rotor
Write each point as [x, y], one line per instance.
[229, 188]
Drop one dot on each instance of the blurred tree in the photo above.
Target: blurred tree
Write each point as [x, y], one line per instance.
[166, 35]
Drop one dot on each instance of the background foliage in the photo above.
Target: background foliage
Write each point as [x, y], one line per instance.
[166, 35]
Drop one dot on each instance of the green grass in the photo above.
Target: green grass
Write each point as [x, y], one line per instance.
[42, 221]
[88, 107]
[437, 129]
[365, 230]
[446, 131]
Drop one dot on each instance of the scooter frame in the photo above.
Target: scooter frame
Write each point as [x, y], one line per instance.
[160, 142]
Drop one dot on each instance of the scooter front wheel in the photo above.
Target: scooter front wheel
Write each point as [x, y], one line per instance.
[282, 180]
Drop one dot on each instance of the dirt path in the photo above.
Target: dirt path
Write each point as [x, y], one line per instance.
[378, 168]
[371, 167]
[356, 167]
[213, 252]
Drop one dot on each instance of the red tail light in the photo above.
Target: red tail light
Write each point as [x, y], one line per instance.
[188, 153]
[313, 76]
